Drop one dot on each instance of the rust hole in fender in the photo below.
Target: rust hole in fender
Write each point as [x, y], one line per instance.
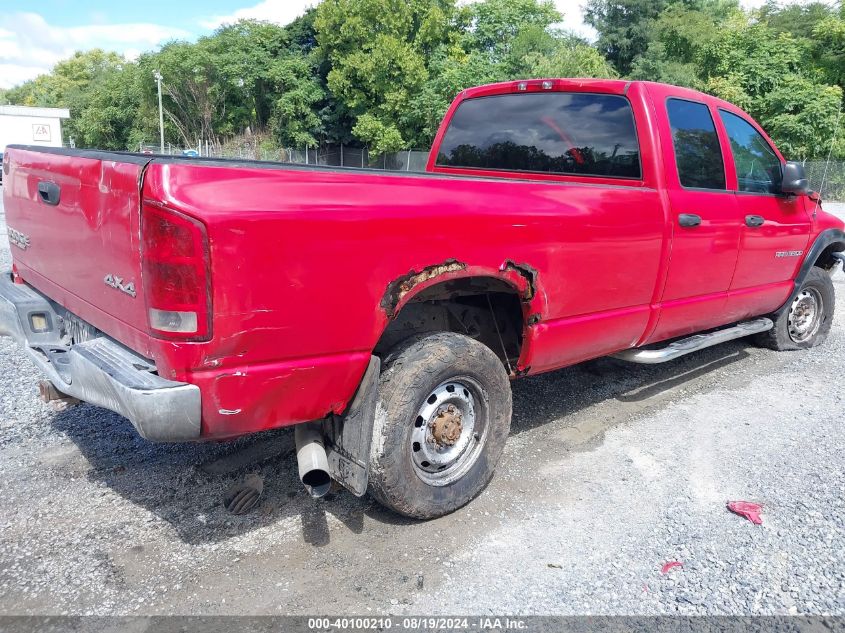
[401, 286]
[527, 272]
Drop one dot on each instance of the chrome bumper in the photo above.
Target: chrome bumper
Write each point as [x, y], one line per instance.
[100, 371]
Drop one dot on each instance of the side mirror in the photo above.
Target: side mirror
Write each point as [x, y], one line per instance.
[794, 179]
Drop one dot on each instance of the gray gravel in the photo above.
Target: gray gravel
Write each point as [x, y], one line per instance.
[611, 470]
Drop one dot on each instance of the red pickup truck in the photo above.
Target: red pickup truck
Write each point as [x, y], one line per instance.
[384, 313]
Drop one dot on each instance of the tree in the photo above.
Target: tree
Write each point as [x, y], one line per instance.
[194, 98]
[397, 75]
[450, 72]
[802, 116]
[294, 117]
[111, 113]
[680, 37]
[379, 52]
[771, 76]
[735, 55]
[99, 90]
[246, 78]
[829, 39]
[626, 28]
[799, 20]
[497, 24]
[554, 54]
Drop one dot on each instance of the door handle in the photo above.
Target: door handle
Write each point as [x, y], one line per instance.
[49, 192]
[689, 220]
[754, 220]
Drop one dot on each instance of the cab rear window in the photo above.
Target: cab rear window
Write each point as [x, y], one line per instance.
[556, 132]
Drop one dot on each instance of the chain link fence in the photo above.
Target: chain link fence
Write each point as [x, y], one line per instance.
[832, 185]
[168, 150]
[345, 156]
[329, 155]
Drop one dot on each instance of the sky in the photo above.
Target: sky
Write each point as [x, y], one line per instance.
[35, 34]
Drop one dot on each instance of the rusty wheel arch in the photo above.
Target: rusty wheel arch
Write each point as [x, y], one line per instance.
[493, 306]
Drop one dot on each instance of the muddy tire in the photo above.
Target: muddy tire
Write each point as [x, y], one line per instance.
[442, 420]
[806, 321]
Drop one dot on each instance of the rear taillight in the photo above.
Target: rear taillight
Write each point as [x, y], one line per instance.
[177, 281]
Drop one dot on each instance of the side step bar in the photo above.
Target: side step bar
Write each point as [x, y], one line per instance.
[694, 343]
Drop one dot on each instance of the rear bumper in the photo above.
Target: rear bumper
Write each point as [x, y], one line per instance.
[100, 370]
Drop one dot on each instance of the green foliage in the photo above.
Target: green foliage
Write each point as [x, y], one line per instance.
[799, 20]
[802, 116]
[624, 28]
[397, 75]
[109, 114]
[244, 78]
[296, 92]
[382, 73]
[379, 52]
[760, 62]
[769, 75]
[99, 89]
[569, 57]
[680, 37]
[829, 46]
[627, 28]
[380, 136]
[497, 24]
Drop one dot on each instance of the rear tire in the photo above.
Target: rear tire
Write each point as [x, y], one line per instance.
[806, 321]
[442, 420]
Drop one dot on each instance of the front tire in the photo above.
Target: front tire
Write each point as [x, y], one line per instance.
[442, 420]
[806, 321]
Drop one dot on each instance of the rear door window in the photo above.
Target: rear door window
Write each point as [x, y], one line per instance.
[758, 168]
[555, 132]
[697, 151]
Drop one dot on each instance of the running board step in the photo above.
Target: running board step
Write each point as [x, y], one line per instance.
[694, 343]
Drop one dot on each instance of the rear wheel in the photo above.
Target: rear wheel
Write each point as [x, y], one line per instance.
[442, 421]
[806, 321]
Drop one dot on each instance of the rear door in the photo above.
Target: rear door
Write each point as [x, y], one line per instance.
[76, 213]
[705, 225]
[775, 228]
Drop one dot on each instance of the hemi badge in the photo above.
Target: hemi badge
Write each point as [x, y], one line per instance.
[16, 238]
[789, 253]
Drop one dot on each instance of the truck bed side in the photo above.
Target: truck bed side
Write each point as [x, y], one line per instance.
[305, 261]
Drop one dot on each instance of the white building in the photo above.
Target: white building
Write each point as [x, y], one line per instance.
[22, 125]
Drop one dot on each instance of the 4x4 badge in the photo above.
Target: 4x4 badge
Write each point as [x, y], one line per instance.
[117, 283]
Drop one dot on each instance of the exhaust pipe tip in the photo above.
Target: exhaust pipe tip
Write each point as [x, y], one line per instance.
[318, 483]
[312, 459]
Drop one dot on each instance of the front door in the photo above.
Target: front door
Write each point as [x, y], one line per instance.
[775, 227]
[705, 225]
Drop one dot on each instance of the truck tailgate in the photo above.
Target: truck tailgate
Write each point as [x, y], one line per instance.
[73, 220]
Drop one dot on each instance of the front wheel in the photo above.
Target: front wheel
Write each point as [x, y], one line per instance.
[806, 321]
[442, 420]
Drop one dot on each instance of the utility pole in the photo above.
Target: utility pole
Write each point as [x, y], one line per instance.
[157, 75]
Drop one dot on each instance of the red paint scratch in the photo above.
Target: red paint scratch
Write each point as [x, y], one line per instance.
[667, 567]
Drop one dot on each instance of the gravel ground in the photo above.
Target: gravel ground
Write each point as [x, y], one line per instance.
[611, 471]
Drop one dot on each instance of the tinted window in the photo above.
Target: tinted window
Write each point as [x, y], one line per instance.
[757, 165]
[697, 150]
[562, 133]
